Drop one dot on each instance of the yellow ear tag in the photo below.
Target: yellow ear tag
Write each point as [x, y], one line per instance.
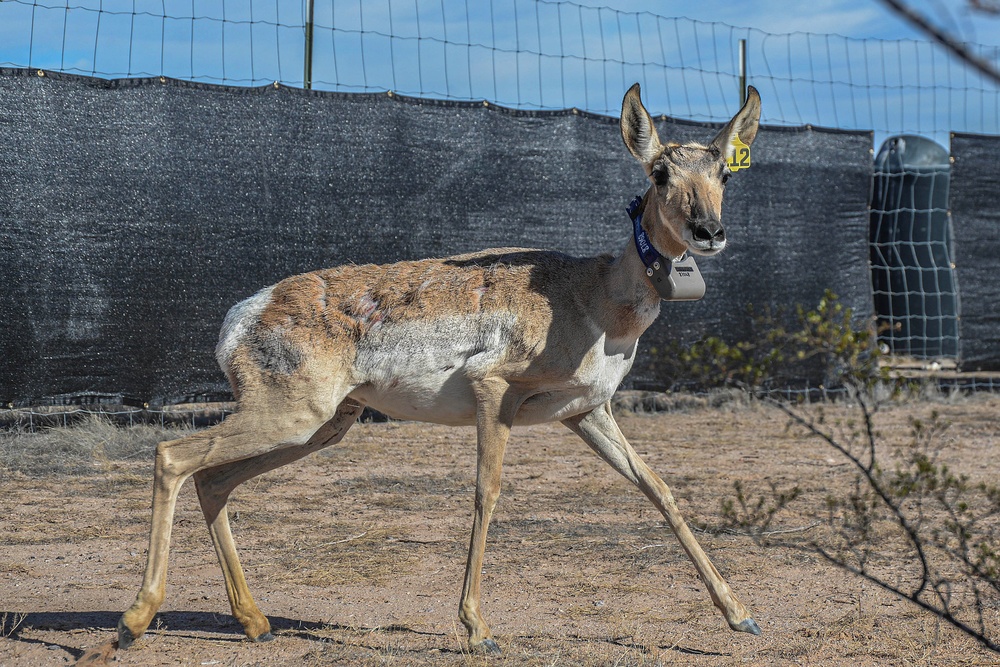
[740, 157]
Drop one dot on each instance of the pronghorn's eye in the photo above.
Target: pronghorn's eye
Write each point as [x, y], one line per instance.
[660, 176]
[725, 177]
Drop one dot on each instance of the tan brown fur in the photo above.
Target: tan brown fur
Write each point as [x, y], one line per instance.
[495, 338]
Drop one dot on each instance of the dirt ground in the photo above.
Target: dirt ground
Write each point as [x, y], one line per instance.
[357, 553]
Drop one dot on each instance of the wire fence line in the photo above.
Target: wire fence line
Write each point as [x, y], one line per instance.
[204, 414]
[528, 54]
[33, 419]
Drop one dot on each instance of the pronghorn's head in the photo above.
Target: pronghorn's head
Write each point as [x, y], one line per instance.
[683, 208]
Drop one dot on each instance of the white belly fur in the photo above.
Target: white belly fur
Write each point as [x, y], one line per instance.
[424, 371]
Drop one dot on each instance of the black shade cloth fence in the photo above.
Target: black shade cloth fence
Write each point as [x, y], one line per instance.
[134, 213]
[975, 212]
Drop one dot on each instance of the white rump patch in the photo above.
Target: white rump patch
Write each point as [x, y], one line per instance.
[239, 320]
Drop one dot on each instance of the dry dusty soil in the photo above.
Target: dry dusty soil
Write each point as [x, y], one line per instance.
[357, 553]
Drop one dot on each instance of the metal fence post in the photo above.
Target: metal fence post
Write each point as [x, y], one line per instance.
[743, 72]
[308, 56]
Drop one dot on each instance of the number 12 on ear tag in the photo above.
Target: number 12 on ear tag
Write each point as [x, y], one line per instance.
[740, 157]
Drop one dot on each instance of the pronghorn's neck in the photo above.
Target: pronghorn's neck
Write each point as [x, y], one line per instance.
[629, 289]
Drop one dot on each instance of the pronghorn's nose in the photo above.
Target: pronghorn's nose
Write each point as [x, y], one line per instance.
[710, 232]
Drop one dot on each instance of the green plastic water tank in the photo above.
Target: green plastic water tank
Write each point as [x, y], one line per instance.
[913, 278]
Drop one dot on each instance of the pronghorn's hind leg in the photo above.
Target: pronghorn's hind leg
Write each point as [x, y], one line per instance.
[265, 429]
[599, 430]
[216, 484]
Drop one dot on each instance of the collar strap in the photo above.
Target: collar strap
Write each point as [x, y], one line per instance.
[650, 256]
[647, 253]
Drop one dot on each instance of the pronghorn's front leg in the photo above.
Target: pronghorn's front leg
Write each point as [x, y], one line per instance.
[599, 430]
[495, 416]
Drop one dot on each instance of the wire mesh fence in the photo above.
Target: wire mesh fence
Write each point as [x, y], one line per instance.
[553, 54]
[528, 54]
[34, 419]
[912, 250]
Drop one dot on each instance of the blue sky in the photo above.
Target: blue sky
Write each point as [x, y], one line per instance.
[852, 18]
[843, 63]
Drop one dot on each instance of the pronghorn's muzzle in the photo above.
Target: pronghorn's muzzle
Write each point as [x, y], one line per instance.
[707, 236]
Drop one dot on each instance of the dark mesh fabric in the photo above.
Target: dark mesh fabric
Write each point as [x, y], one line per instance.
[134, 213]
[976, 226]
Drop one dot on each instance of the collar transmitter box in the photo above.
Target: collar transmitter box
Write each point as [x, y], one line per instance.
[677, 280]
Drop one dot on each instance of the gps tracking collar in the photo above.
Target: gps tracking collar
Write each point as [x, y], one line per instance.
[673, 279]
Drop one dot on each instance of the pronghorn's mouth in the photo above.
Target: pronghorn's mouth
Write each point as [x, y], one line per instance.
[704, 247]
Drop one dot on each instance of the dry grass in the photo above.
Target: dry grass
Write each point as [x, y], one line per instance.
[374, 555]
[94, 445]
[10, 622]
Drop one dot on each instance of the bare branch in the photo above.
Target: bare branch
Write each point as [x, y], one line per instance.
[944, 39]
[874, 484]
[985, 6]
[942, 613]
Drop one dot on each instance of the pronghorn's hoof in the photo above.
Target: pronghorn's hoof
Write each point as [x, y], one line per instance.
[488, 647]
[260, 639]
[749, 625]
[125, 636]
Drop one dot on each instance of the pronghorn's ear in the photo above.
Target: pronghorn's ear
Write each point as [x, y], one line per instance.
[637, 128]
[744, 124]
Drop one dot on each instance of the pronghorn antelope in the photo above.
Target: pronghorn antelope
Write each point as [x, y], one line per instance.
[496, 338]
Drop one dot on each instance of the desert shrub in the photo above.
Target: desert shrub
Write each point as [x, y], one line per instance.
[820, 346]
[903, 502]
